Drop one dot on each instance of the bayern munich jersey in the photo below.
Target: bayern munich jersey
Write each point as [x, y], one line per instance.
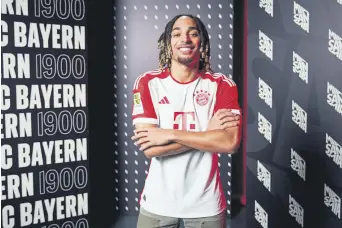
[186, 185]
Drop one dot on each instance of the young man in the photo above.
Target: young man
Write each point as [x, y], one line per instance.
[184, 115]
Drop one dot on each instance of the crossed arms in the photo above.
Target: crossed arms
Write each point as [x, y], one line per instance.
[223, 135]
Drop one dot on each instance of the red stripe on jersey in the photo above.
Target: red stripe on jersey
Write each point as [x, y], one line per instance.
[226, 94]
[218, 77]
[141, 86]
[137, 81]
[147, 76]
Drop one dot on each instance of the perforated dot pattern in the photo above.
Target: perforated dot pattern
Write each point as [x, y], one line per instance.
[137, 27]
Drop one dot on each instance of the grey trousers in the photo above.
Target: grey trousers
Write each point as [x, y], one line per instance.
[149, 220]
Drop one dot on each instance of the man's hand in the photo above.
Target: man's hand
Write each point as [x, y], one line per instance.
[148, 137]
[223, 134]
[223, 119]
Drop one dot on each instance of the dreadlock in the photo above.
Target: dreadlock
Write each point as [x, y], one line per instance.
[164, 44]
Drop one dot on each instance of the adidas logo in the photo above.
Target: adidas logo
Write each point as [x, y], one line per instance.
[164, 101]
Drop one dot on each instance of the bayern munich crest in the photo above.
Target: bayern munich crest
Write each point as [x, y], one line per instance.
[202, 97]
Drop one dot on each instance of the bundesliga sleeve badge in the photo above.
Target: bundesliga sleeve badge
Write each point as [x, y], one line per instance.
[138, 106]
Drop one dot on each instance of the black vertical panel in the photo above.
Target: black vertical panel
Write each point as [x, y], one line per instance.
[294, 155]
[237, 168]
[101, 111]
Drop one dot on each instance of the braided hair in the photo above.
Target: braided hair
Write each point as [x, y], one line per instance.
[164, 44]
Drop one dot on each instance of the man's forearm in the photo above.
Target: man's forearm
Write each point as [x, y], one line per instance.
[216, 141]
[166, 150]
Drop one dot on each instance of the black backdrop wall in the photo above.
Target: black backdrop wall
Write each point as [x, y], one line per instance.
[44, 118]
[294, 137]
[102, 211]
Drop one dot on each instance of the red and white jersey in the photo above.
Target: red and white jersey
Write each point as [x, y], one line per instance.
[186, 185]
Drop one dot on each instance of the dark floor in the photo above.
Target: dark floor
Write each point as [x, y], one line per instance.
[237, 220]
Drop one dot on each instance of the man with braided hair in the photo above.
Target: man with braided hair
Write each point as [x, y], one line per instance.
[184, 115]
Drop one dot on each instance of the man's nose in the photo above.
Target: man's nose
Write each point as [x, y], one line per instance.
[186, 38]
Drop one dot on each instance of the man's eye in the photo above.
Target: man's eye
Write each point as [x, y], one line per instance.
[176, 35]
[194, 34]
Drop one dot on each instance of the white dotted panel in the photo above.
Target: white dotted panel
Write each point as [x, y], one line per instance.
[135, 24]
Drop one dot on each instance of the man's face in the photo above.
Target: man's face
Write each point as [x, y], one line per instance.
[185, 41]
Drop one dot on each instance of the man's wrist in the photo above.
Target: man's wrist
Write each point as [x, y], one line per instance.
[173, 135]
